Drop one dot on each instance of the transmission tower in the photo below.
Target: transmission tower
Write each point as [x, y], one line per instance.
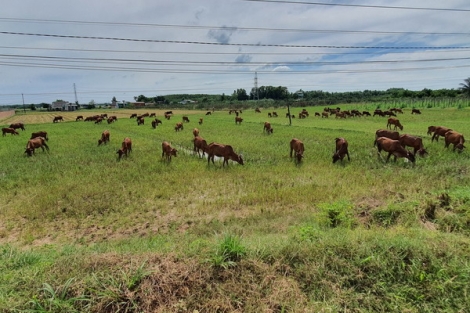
[75, 92]
[256, 86]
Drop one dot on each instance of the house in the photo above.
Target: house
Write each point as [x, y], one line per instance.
[61, 105]
[138, 104]
[184, 101]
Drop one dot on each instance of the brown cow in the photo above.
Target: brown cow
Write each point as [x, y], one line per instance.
[38, 142]
[40, 134]
[208, 113]
[58, 119]
[455, 138]
[341, 150]
[439, 131]
[365, 113]
[267, 128]
[126, 148]
[133, 115]
[200, 144]
[80, 117]
[200, 121]
[155, 122]
[225, 151]
[195, 132]
[340, 115]
[324, 114]
[168, 150]
[104, 137]
[179, 126]
[152, 115]
[431, 129]
[415, 111]
[378, 112]
[140, 120]
[9, 130]
[412, 141]
[257, 110]
[110, 120]
[393, 147]
[386, 133]
[297, 147]
[185, 119]
[317, 114]
[238, 120]
[98, 120]
[17, 125]
[393, 121]
[167, 116]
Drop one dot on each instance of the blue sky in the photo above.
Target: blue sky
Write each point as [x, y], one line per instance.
[123, 49]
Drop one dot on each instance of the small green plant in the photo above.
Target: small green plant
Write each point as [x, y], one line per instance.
[337, 214]
[229, 251]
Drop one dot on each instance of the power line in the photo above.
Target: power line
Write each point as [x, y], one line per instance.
[231, 44]
[362, 5]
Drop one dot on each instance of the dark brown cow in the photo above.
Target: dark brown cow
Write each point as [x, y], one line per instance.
[195, 132]
[110, 120]
[17, 126]
[90, 118]
[185, 119]
[114, 117]
[393, 147]
[267, 128]
[152, 115]
[415, 111]
[341, 150]
[275, 114]
[40, 134]
[35, 143]
[155, 122]
[439, 131]
[208, 113]
[269, 114]
[340, 115]
[297, 147]
[200, 144]
[9, 130]
[431, 129]
[133, 115]
[393, 121]
[104, 137]
[179, 126]
[378, 112]
[365, 113]
[317, 114]
[167, 116]
[126, 148]
[225, 151]
[324, 114]
[168, 151]
[98, 120]
[455, 138]
[58, 119]
[413, 141]
[200, 121]
[238, 120]
[386, 133]
[80, 117]
[257, 110]
[169, 113]
[140, 121]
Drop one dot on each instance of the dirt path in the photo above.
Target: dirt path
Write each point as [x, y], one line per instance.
[6, 114]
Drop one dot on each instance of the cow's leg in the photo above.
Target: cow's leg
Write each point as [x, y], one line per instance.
[389, 155]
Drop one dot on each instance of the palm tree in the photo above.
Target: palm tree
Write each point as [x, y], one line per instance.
[465, 86]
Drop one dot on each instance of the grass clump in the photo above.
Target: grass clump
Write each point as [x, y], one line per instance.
[228, 252]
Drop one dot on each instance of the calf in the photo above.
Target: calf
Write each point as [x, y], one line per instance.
[297, 147]
[8, 130]
[225, 151]
[17, 126]
[412, 141]
[238, 120]
[386, 133]
[126, 148]
[393, 121]
[185, 119]
[195, 132]
[341, 150]
[455, 138]
[58, 119]
[267, 128]
[168, 151]
[179, 126]
[439, 131]
[104, 137]
[200, 144]
[38, 142]
[40, 134]
[393, 147]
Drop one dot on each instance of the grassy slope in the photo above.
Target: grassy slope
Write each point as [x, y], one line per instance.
[401, 239]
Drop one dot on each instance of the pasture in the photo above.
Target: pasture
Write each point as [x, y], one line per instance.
[355, 236]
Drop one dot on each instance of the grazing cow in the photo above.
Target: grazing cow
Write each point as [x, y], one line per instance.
[152, 115]
[104, 137]
[40, 134]
[200, 121]
[38, 142]
[208, 113]
[340, 115]
[167, 116]
[238, 120]
[9, 130]
[133, 115]
[257, 110]
[431, 129]
[200, 144]
[80, 117]
[455, 138]
[393, 147]
[225, 151]
[297, 147]
[324, 114]
[185, 119]
[89, 118]
[98, 120]
[140, 121]
[389, 113]
[168, 112]
[270, 115]
[58, 119]
[341, 150]
[155, 122]
[275, 114]
[365, 113]
[195, 132]
[439, 131]
[317, 114]
[168, 151]
[412, 141]
[267, 128]
[126, 148]
[378, 112]
[386, 133]
[110, 120]
[393, 121]
[17, 125]
[415, 111]
[179, 126]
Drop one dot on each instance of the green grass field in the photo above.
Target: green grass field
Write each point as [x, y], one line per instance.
[81, 231]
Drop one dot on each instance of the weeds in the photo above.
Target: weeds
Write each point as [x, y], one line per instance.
[229, 251]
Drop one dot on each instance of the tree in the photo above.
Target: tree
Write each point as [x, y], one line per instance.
[32, 107]
[45, 105]
[465, 87]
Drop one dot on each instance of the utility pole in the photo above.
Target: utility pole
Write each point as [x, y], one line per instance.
[24, 109]
[75, 92]
[256, 86]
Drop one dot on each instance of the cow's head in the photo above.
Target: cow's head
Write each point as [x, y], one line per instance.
[410, 156]
[29, 151]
